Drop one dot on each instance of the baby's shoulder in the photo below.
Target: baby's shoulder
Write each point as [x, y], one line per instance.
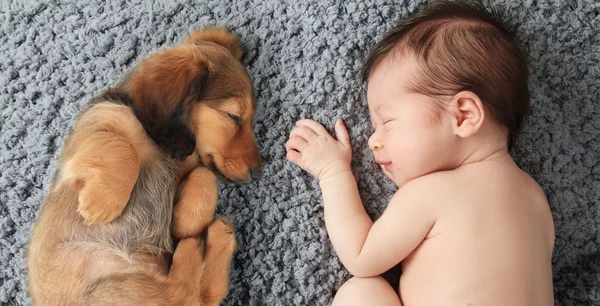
[436, 181]
[458, 185]
[429, 195]
[502, 181]
[428, 188]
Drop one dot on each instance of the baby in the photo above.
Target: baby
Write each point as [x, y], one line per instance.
[447, 94]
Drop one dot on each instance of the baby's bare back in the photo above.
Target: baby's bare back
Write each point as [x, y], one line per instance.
[491, 243]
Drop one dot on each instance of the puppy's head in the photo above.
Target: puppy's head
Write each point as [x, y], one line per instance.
[198, 97]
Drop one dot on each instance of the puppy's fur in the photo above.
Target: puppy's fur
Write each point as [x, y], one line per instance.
[179, 120]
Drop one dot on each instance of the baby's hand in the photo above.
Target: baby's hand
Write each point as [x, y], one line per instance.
[312, 148]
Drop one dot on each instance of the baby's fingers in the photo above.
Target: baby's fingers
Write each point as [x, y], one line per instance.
[295, 143]
[313, 125]
[304, 132]
[342, 133]
[294, 156]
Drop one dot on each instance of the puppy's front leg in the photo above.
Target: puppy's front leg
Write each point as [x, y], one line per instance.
[196, 205]
[106, 167]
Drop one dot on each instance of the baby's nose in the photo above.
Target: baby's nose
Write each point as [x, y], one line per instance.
[374, 143]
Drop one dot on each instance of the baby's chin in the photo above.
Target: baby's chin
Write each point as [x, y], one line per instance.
[398, 180]
[387, 173]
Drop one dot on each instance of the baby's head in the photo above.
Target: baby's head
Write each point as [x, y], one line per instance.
[442, 82]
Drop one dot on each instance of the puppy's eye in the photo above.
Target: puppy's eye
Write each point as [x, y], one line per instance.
[235, 119]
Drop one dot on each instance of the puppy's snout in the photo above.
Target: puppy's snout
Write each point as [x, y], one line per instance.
[256, 173]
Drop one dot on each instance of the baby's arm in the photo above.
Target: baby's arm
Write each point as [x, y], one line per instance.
[366, 249]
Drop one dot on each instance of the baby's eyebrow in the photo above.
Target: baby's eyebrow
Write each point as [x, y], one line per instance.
[383, 107]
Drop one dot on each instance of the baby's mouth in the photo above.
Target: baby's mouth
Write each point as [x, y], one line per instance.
[383, 163]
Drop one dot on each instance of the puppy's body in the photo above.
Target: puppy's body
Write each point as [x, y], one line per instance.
[138, 240]
[103, 235]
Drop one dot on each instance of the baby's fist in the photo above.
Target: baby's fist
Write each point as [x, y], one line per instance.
[312, 148]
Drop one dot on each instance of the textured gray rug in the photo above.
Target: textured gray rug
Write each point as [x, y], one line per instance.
[303, 56]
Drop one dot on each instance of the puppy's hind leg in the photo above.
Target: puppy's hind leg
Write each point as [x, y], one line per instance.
[179, 287]
[220, 246]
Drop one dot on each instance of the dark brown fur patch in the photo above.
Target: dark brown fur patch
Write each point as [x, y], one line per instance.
[163, 90]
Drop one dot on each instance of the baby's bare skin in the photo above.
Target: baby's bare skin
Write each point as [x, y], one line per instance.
[469, 227]
[490, 243]
[481, 234]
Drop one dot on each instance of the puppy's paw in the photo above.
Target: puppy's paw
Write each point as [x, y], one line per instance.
[102, 203]
[220, 246]
[221, 236]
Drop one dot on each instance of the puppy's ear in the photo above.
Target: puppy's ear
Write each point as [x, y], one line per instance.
[198, 85]
[220, 36]
[164, 88]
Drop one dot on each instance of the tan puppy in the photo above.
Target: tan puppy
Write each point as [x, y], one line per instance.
[103, 235]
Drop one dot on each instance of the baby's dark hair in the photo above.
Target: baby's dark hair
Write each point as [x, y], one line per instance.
[462, 46]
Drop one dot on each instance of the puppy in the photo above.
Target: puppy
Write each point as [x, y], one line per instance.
[181, 119]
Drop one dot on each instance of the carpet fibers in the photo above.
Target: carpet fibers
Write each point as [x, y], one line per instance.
[304, 57]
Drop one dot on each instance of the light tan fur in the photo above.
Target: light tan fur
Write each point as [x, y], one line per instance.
[195, 208]
[104, 235]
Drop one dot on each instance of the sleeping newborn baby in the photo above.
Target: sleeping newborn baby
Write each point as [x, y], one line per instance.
[447, 94]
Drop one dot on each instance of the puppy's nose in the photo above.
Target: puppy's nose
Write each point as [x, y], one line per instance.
[256, 173]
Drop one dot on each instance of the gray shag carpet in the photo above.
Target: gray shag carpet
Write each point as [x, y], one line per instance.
[304, 57]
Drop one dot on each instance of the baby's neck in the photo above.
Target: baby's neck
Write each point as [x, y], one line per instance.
[490, 144]
[501, 154]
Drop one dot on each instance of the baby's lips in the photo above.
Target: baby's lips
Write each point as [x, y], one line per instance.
[381, 162]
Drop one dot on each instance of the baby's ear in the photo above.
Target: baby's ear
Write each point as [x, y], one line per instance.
[468, 113]
[219, 36]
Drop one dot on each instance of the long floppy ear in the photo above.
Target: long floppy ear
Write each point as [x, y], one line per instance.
[164, 88]
[219, 36]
